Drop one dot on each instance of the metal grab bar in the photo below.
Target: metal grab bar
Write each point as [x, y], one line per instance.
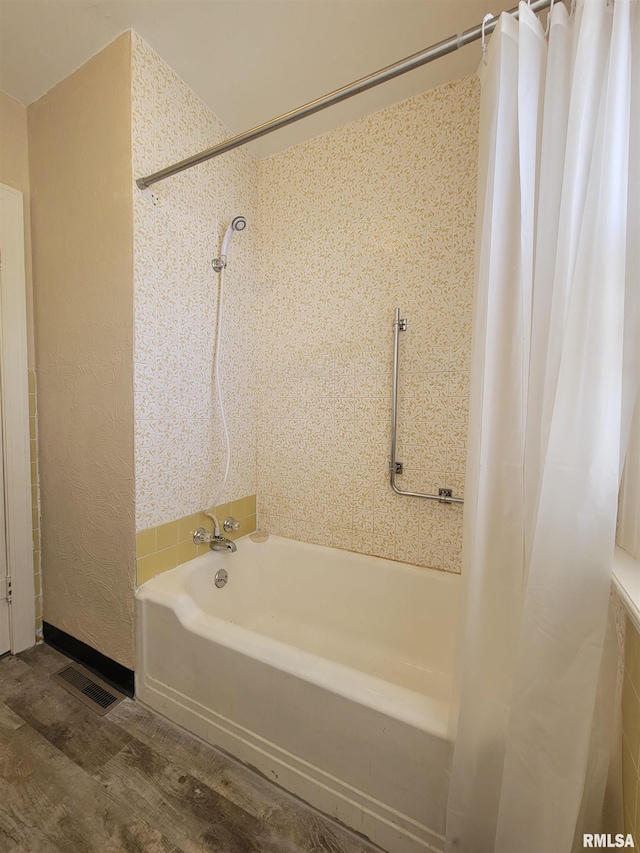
[444, 495]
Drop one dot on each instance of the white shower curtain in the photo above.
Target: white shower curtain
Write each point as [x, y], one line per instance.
[554, 380]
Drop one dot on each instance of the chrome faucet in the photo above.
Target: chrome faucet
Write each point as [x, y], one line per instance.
[221, 543]
[216, 543]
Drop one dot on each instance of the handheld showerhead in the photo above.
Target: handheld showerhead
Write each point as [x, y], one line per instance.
[238, 223]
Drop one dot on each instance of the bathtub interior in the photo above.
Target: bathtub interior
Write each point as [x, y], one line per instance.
[386, 619]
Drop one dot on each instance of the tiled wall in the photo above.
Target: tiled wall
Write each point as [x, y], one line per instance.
[35, 499]
[159, 549]
[374, 215]
[179, 444]
[631, 731]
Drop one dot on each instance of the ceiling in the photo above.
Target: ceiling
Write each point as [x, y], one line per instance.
[249, 60]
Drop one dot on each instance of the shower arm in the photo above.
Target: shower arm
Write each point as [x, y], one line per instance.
[444, 496]
[390, 72]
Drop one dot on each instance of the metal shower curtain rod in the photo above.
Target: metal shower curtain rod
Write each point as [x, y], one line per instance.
[416, 60]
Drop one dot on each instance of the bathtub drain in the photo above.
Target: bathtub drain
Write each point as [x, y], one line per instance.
[221, 577]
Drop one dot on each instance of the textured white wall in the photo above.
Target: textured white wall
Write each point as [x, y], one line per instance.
[377, 214]
[178, 226]
[80, 165]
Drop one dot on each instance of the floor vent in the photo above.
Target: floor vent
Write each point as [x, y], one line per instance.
[84, 685]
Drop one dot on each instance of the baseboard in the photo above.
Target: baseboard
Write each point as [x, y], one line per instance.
[109, 670]
[380, 823]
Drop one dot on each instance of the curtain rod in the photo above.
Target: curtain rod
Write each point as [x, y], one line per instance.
[416, 60]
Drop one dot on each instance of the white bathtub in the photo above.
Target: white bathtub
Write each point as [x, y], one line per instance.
[328, 671]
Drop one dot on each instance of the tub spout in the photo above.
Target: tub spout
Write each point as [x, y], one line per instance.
[221, 543]
[216, 543]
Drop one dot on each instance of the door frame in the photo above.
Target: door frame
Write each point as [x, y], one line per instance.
[15, 413]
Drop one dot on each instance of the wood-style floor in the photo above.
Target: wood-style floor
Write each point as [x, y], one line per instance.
[74, 782]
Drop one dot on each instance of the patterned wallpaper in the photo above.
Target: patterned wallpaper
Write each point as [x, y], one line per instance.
[377, 214]
[341, 229]
[178, 226]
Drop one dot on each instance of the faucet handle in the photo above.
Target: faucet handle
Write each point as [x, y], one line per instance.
[230, 524]
[201, 536]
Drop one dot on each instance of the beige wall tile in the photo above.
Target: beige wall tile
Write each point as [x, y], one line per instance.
[186, 551]
[166, 559]
[631, 731]
[631, 718]
[146, 542]
[632, 654]
[145, 568]
[629, 782]
[221, 512]
[167, 535]
[237, 509]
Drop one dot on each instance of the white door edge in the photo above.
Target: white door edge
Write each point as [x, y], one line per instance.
[15, 391]
[5, 607]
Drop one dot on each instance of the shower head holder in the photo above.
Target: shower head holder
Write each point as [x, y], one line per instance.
[238, 223]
